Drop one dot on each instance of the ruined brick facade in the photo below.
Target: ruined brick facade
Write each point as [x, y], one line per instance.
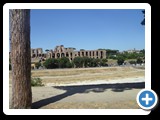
[71, 53]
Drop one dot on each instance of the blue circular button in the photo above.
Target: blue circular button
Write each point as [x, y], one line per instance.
[147, 99]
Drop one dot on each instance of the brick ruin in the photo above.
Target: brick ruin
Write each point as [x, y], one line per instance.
[71, 53]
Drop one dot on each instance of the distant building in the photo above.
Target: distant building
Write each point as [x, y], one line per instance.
[71, 53]
[132, 51]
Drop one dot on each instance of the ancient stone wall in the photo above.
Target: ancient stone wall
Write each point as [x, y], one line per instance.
[71, 53]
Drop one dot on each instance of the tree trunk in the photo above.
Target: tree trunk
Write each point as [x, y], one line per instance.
[20, 58]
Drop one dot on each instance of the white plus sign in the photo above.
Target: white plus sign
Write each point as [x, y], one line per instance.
[147, 99]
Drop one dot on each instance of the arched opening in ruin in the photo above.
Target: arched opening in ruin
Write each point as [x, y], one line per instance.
[90, 53]
[62, 55]
[101, 54]
[97, 53]
[58, 55]
[93, 53]
[71, 54]
[33, 55]
[86, 53]
[71, 58]
[67, 55]
[78, 53]
[53, 55]
[83, 54]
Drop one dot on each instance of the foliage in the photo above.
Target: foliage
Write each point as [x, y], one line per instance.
[112, 53]
[103, 62]
[78, 62]
[142, 51]
[49, 63]
[86, 61]
[69, 64]
[132, 62]
[37, 64]
[63, 62]
[58, 63]
[133, 55]
[139, 60]
[36, 82]
[112, 57]
[95, 62]
[46, 50]
[120, 60]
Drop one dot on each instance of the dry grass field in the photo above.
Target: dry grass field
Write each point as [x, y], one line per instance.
[58, 76]
[64, 76]
[55, 95]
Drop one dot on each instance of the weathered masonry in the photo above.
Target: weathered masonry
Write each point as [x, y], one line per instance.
[71, 53]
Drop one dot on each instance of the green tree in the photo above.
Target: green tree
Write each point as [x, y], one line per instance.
[86, 61]
[120, 60]
[132, 62]
[46, 50]
[63, 62]
[49, 63]
[139, 60]
[142, 51]
[94, 62]
[103, 62]
[78, 62]
[37, 64]
[69, 65]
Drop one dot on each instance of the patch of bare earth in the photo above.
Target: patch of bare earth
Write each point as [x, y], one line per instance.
[58, 93]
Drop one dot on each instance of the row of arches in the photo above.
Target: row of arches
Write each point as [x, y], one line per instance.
[90, 53]
[59, 55]
[38, 55]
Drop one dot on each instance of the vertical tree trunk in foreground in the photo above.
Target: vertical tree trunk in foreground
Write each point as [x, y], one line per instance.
[20, 58]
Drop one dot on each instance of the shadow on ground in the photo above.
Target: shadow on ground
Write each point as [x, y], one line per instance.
[71, 90]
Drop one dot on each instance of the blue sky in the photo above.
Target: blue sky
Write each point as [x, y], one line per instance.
[87, 29]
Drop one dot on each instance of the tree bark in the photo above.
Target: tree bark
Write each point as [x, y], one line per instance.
[20, 58]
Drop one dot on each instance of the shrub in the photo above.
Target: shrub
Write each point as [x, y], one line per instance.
[38, 64]
[36, 82]
[49, 63]
[132, 62]
[64, 62]
[69, 65]
[103, 62]
[139, 60]
[120, 60]
[78, 62]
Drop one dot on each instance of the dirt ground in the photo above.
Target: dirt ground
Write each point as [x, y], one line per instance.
[90, 88]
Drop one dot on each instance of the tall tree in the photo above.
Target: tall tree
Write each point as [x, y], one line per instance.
[20, 58]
